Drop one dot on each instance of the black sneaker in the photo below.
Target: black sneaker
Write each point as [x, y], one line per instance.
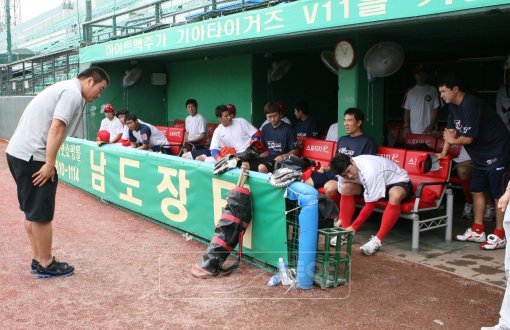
[35, 263]
[33, 266]
[55, 269]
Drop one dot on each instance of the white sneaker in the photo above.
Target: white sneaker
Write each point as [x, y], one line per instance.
[489, 214]
[372, 246]
[333, 241]
[468, 211]
[493, 243]
[471, 236]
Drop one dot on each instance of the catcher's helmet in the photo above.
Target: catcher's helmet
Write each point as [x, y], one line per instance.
[103, 135]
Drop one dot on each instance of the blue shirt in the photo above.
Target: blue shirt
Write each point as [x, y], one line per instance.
[474, 118]
[279, 140]
[355, 146]
[307, 128]
[144, 133]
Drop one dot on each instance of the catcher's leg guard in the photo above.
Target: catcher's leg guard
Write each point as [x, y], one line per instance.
[234, 221]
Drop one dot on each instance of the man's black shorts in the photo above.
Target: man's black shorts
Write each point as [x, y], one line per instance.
[319, 179]
[268, 162]
[38, 203]
[408, 187]
[199, 152]
[493, 180]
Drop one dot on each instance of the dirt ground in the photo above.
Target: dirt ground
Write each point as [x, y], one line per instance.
[131, 273]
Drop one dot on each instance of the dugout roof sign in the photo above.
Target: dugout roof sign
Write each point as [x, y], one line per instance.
[282, 20]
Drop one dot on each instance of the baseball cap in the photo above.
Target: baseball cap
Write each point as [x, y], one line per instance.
[427, 163]
[231, 108]
[103, 135]
[108, 108]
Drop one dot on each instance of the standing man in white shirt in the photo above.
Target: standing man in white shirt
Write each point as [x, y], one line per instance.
[332, 134]
[111, 123]
[48, 119]
[421, 105]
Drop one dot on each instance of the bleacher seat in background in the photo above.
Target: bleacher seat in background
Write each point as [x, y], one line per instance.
[211, 127]
[429, 190]
[395, 154]
[179, 123]
[396, 129]
[175, 138]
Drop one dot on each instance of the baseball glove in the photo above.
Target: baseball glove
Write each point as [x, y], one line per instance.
[250, 153]
[226, 163]
[283, 177]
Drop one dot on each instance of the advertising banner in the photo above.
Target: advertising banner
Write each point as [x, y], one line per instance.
[175, 191]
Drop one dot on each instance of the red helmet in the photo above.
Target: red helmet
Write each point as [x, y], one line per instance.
[108, 107]
[231, 108]
[103, 135]
[281, 106]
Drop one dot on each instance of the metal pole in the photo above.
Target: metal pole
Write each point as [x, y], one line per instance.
[8, 29]
[87, 31]
[78, 18]
[157, 12]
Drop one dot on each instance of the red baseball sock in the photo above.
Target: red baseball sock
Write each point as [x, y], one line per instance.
[499, 232]
[477, 228]
[347, 208]
[466, 188]
[389, 219]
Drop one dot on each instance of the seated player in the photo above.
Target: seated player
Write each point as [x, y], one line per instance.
[353, 144]
[284, 118]
[111, 124]
[233, 135]
[144, 136]
[279, 138]
[306, 125]
[196, 126]
[373, 177]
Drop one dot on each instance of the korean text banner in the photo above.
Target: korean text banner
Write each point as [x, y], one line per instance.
[281, 20]
[175, 191]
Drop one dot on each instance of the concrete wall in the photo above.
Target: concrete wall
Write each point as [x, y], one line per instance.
[11, 109]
